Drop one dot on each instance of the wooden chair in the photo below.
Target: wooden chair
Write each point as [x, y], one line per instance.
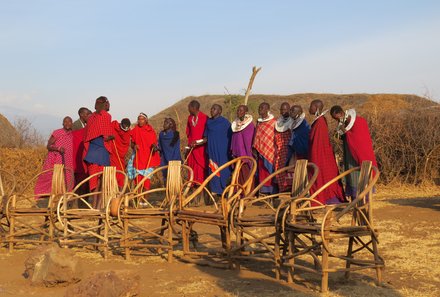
[253, 218]
[8, 184]
[218, 213]
[144, 226]
[83, 224]
[331, 232]
[32, 218]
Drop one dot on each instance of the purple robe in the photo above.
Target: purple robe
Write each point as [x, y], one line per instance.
[241, 142]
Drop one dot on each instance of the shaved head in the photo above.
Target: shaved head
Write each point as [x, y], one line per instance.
[295, 111]
[316, 106]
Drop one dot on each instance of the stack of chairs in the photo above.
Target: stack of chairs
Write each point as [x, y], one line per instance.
[333, 238]
[32, 219]
[217, 214]
[86, 222]
[258, 235]
[145, 215]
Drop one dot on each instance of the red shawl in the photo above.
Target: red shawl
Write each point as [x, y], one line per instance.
[359, 142]
[120, 146]
[321, 153]
[99, 124]
[197, 160]
[79, 167]
[264, 141]
[144, 137]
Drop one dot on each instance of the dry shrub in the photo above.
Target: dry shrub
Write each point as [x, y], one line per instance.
[24, 164]
[407, 145]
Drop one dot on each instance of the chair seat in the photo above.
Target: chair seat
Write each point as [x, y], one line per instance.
[199, 214]
[268, 219]
[85, 212]
[146, 212]
[30, 210]
[316, 227]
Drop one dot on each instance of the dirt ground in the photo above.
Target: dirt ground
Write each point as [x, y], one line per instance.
[409, 225]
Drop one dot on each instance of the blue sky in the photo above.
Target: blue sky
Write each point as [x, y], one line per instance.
[56, 56]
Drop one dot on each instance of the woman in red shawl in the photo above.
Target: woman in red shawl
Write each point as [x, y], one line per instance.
[121, 143]
[60, 151]
[358, 146]
[321, 153]
[146, 157]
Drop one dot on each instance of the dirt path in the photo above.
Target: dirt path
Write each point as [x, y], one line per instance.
[409, 242]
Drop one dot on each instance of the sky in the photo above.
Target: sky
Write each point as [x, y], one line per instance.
[56, 55]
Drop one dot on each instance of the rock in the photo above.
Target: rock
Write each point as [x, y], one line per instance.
[112, 283]
[52, 266]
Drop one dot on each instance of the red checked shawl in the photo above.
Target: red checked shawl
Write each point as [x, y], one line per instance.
[264, 141]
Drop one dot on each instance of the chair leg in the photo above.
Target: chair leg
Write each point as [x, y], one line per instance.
[349, 254]
[170, 243]
[126, 240]
[377, 260]
[324, 280]
[11, 234]
[185, 237]
[277, 257]
[290, 251]
[105, 243]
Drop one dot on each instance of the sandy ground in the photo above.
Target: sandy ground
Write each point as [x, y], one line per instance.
[409, 225]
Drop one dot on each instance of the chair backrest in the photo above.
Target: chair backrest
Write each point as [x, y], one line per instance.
[58, 180]
[176, 179]
[300, 178]
[109, 185]
[239, 185]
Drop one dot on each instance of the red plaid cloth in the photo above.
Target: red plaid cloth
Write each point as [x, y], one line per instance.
[264, 141]
[99, 124]
[281, 151]
[92, 169]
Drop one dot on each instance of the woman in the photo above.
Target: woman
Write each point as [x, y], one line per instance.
[145, 157]
[169, 142]
[60, 147]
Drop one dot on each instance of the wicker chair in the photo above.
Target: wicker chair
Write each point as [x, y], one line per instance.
[255, 226]
[83, 224]
[217, 214]
[323, 232]
[32, 219]
[144, 226]
[8, 184]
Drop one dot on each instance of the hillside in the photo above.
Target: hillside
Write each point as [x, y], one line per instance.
[8, 135]
[373, 103]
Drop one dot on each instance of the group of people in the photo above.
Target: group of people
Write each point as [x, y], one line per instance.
[95, 141]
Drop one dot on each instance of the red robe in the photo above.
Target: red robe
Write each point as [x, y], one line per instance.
[79, 166]
[321, 153]
[98, 124]
[197, 160]
[144, 137]
[359, 142]
[120, 147]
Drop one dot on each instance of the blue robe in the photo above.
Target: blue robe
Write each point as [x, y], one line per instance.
[218, 132]
[299, 142]
[168, 152]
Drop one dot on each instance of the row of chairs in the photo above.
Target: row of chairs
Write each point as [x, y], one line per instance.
[291, 230]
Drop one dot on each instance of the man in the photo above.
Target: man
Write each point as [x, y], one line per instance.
[299, 140]
[121, 143]
[80, 123]
[146, 156]
[321, 153]
[264, 145]
[79, 166]
[282, 137]
[195, 128]
[243, 130]
[97, 143]
[358, 146]
[218, 137]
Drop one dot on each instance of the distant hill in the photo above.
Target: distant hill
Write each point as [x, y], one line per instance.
[8, 135]
[374, 103]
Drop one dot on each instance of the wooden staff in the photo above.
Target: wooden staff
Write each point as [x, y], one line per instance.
[255, 70]
[120, 162]
[187, 156]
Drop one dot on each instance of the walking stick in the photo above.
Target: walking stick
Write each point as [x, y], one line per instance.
[187, 156]
[119, 159]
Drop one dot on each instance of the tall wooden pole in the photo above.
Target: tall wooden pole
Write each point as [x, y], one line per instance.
[251, 82]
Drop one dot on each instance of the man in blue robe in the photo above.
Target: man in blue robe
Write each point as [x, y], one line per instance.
[299, 141]
[218, 136]
[169, 143]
